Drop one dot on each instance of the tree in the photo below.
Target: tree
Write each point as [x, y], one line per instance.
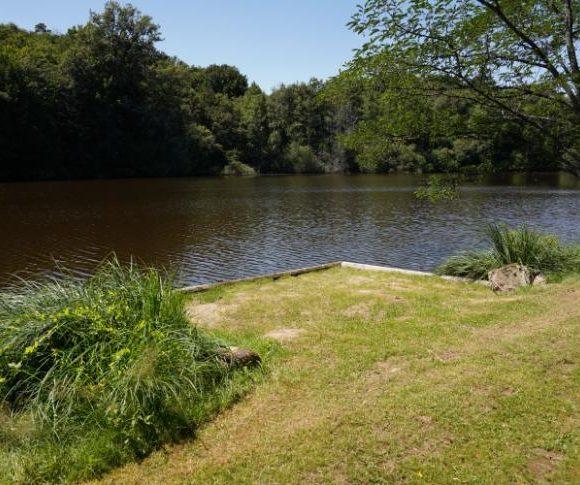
[518, 57]
[254, 120]
[111, 66]
[41, 28]
[226, 80]
[103, 101]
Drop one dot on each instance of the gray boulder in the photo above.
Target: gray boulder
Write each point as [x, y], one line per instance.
[509, 277]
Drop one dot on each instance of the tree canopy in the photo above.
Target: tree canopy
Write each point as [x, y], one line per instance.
[439, 86]
[518, 58]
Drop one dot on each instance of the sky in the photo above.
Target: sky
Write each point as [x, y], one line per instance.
[270, 41]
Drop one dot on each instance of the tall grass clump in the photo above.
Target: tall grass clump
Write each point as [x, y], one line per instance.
[541, 253]
[98, 372]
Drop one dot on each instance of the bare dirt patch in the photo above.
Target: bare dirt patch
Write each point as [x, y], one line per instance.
[206, 313]
[358, 280]
[382, 372]
[285, 334]
[360, 310]
[430, 447]
[387, 368]
[447, 356]
[544, 462]
[243, 297]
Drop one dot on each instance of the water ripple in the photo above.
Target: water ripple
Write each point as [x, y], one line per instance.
[214, 229]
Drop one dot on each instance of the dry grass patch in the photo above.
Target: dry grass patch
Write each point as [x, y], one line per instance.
[206, 313]
[285, 334]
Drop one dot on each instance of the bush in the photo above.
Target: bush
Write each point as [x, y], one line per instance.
[302, 159]
[236, 167]
[98, 372]
[384, 156]
[541, 253]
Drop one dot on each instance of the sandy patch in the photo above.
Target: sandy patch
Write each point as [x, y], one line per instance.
[206, 313]
[387, 368]
[447, 356]
[543, 463]
[360, 310]
[382, 372]
[285, 334]
[358, 280]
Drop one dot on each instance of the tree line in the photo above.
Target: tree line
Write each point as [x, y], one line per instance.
[101, 100]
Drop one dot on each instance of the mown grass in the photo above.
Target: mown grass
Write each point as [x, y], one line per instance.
[391, 378]
[541, 253]
[97, 373]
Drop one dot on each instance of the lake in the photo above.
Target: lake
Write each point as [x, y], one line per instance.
[212, 229]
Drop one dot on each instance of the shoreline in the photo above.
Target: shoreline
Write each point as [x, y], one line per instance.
[499, 174]
[323, 267]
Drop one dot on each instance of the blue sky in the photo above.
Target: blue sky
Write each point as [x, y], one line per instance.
[271, 41]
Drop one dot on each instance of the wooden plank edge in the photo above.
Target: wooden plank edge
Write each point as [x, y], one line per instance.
[272, 276]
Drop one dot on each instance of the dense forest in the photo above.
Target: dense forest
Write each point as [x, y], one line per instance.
[101, 100]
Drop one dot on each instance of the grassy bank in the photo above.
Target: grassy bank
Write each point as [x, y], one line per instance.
[97, 373]
[382, 377]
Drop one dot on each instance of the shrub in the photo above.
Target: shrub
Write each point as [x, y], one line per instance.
[385, 156]
[302, 159]
[103, 370]
[236, 167]
[541, 253]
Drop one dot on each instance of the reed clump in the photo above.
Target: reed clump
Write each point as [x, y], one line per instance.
[541, 253]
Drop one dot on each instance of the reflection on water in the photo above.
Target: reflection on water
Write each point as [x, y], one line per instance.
[211, 229]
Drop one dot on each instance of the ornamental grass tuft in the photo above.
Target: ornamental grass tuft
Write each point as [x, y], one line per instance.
[96, 372]
[541, 253]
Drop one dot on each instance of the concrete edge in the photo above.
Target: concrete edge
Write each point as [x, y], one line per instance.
[323, 267]
[385, 269]
[392, 269]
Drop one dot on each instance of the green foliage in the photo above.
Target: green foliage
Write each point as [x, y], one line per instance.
[226, 80]
[239, 169]
[102, 100]
[518, 60]
[541, 253]
[97, 372]
[302, 159]
[438, 188]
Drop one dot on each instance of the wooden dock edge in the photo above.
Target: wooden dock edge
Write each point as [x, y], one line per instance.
[270, 276]
[323, 267]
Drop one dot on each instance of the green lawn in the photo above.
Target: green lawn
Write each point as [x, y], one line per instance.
[387, 377]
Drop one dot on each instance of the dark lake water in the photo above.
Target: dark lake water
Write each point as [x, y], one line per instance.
[212, 229]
